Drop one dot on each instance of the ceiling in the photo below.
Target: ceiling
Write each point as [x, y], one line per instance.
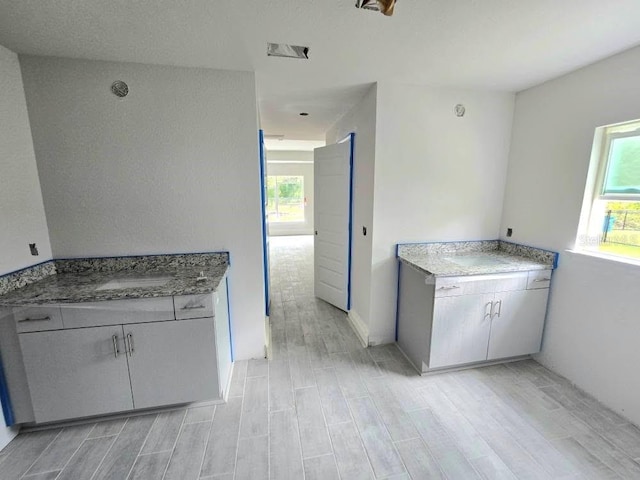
[292, 145]
[483, 44]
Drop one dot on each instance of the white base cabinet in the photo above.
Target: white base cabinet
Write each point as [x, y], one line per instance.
[172, 362]
[517, 328]
[454, 321]
[74, 371]
[461, 330]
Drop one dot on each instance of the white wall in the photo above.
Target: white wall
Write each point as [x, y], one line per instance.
[592, 332]
[438, 177]
[290, 162]
[173, 167]
[362, 121]
[22, 218]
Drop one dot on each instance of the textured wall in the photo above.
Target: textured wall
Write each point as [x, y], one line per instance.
[362, 121]
[438, 177]
[173, 167]
[592, 331]
[22, 218]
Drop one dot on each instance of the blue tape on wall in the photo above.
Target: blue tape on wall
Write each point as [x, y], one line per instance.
[4, 399]
[352, 139]
[229, 319]
[265, 232]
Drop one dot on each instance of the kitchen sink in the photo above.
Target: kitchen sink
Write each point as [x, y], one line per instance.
[476, 261]
[133, 282]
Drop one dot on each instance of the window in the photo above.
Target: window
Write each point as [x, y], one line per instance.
[610, 221]
[285, 198]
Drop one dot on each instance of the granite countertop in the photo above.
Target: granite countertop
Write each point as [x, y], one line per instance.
[77, 281]
[474, 258]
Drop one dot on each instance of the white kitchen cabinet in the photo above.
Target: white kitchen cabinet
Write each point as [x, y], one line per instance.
[461, 329]
[172, 362]
[518, 321]
[454, 321]
[91, 366]
[76, 373]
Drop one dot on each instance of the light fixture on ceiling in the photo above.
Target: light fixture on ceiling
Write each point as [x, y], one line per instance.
[304, 114]
[288, 51]
[384, 6]
[274, 137]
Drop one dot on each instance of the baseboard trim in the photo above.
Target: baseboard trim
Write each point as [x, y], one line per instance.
[358, 326]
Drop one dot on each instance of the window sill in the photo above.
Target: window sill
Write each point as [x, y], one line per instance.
[606, 258]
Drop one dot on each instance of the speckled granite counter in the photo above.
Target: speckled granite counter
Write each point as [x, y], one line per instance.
[79, 280]
[474, 258]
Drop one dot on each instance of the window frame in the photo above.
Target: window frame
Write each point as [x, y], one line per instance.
[604, 161]
[590, 225]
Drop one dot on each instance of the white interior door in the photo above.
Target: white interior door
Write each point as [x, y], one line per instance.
[332, 189]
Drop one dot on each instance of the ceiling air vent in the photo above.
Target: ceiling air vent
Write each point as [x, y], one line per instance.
[288, 51]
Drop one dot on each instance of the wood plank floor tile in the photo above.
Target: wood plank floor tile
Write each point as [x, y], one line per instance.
[186, 461]
[87, 458]
[122, 455]
[220, 456]
[150, 467]
[164, 432]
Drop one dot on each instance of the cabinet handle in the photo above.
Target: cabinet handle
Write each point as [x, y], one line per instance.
[490, 314]
[499, 305]
[542, 280]
[115, 346]
[452, 287]
[193, 307]
[130, 343]
[43, 319]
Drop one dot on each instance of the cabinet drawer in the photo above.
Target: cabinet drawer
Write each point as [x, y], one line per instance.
[117, 312]
[539, 279]
[477, 284]
[37, 319]
[193, 306]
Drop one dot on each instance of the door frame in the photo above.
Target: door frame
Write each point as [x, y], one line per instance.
[352, 138]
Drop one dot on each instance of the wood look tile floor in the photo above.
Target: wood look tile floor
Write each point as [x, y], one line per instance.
[324, 408]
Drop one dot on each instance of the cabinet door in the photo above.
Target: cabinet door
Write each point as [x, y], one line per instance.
[172, 362]
[223, 336]
[461, 327]
[517, 329]
[76, 373]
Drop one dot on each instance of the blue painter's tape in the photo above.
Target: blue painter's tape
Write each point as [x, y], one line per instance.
[352, 137]
[398, 300]
[7, 410]
[229, 319]
[263, 198]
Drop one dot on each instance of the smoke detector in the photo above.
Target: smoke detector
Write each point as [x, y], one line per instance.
[383, 6]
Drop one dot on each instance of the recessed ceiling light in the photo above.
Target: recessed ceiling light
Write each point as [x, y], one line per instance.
[288, 51]
[304, 114]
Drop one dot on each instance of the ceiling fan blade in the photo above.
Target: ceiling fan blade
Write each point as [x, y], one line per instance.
[386, 6]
